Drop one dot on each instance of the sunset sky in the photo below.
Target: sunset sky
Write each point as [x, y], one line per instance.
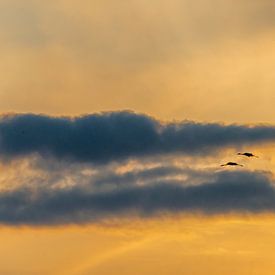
[116, 117]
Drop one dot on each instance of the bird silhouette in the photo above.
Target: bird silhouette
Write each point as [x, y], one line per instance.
[232, 164]
[249, 155]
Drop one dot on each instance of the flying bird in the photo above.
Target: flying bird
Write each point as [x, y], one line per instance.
[232, 164]
[249, 155]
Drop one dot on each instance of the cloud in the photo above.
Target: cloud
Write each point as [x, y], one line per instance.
[114, 136]
[227, 192]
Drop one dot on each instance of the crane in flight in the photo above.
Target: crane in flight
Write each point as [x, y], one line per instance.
[231, 164]
[249, 155]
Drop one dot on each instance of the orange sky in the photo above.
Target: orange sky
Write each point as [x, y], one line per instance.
[206, 60]
[197, 246]
[162, 58]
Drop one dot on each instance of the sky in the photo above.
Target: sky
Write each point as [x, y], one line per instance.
[115, 119]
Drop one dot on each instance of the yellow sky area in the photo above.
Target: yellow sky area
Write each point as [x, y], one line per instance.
[211, 60]
[187, 245]
[234, 80]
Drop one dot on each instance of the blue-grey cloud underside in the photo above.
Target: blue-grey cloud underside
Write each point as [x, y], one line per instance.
[114, 136]
[227, 192]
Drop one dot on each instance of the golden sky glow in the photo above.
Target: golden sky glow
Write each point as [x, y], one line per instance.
[163, 58]
[203, 60]
[194, 245]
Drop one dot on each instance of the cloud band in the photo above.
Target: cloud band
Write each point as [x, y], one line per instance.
[101, 138]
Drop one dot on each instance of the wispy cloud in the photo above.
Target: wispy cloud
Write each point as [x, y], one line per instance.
[226, 192]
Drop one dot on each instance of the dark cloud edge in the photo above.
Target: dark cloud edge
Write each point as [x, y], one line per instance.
[114, 136]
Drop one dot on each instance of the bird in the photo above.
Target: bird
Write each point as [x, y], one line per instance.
[246, 154]
[232, 164]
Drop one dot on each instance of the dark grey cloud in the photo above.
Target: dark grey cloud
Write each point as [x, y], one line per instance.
[227, 192]
[101, 138]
